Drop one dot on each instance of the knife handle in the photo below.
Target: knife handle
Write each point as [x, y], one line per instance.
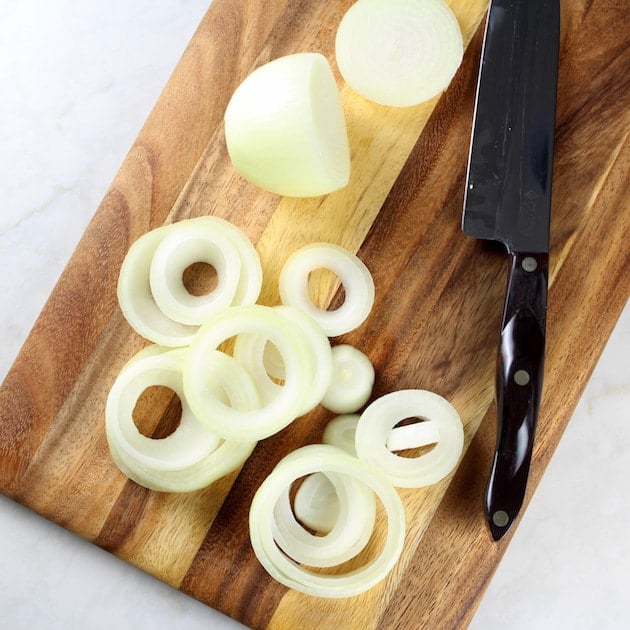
[519, 381]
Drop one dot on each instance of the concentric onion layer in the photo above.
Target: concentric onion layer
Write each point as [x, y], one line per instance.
[263, 527]
[398, 52]
[151, 292]
[381, 416]
[191, 457]
[277, 411]
[354, 276]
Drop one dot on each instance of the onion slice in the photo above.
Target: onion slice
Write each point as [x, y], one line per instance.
[305, 461]
[381, 416]
[275, 414]
[191, 457]
[398, 52]
[352, 380]
[285, 128]
[355, 278]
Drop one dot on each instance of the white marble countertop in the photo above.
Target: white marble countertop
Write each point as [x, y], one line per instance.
[78, 80]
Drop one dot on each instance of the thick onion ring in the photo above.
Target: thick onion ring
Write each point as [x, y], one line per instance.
[191, 457]
[304, 461]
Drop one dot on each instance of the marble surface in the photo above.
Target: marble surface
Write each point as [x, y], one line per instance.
[78, 80]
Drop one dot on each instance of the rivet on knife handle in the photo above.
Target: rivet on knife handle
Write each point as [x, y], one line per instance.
[519, 380]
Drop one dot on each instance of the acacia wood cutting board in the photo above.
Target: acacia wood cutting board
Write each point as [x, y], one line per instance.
[434, 325]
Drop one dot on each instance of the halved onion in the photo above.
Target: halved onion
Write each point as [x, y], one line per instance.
[285, 128]
[353, 274]
[398, 52]
[352, 380]
[262, 526]
[381, 416]
[191, 457]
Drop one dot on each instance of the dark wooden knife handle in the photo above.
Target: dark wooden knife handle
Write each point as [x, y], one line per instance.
[519, 380]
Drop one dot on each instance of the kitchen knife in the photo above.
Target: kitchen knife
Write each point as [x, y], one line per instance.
[508, 199]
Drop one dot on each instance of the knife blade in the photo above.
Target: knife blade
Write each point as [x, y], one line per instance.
[508, 199]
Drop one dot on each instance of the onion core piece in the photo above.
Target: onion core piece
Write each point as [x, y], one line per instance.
[352, 380]
[398, 52]
[285, 128]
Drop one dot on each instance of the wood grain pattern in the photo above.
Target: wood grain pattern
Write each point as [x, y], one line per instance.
[434, 325]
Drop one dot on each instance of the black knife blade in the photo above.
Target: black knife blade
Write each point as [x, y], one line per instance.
[508, 199]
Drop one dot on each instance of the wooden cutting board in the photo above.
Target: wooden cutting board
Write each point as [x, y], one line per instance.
[434, 324]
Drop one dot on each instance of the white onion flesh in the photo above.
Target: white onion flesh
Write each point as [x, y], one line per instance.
[329, 459]
[352, 380]
[349, 531]
[281, 409]
[413, 435]
[351, 271]
[136, 300]
[191, 457]
[340, 432]
[285, 128]
[188, 243]
[382, 415]
[151, 292]
[252, 350]
[398, 52]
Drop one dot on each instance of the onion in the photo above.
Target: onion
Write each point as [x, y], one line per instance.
[285, 128]
[350, 529]
[250, 351]
[186, 243]
[297, 355]
[398, 52]
[340, 432]
[355, 278]
[151, 293]
[191, 457]
[136, 300]
[380, 417]
[352, 380]
[413, 435]
[263, 528]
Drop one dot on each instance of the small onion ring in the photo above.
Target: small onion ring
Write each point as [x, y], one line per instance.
[191, 457]
[251, 351]
[189, 242]
[304, 461]
[413, 435]
[235, 424]
[355, 278]
[136, 300]
[350, 531]
[381, 416]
